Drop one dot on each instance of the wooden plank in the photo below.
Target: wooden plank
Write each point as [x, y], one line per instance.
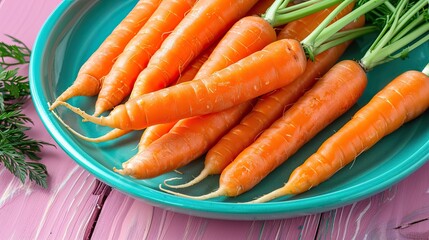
[399, 212]
[28, 211]
[124, 217]
[61, 212]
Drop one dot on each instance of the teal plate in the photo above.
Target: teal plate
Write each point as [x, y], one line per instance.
[76, 28]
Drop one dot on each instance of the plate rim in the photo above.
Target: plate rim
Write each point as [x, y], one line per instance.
[223, 210]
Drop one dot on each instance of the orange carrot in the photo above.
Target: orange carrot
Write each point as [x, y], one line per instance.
[118, 83]
[270, 107]
[206, 22]
[192, 70]
[90, 76]
[151, 133]
[154, 132]
[402, 100]
[275, 66]
[184, 143]
[330, 97]
[245, 37]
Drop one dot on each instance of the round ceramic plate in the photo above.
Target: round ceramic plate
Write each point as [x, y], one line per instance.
[75, 30]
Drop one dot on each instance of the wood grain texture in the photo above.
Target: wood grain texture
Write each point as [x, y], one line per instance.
[399, 212]
[28, 211]
[123, 217]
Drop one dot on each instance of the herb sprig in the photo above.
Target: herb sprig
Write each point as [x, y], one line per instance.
[18, 152]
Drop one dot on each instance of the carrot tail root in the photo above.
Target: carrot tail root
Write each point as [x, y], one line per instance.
[219, 192]
[280, 192]
[116, 133]
[204, 173]
[80, 112]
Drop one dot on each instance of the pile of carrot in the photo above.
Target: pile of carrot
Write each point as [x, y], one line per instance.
[246, 84]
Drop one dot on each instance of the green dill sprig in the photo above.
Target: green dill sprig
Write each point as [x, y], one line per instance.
[13, 54]
[406, 28]
[13, 86]
[18, 152]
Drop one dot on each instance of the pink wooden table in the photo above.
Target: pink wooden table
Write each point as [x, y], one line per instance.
[77, 206]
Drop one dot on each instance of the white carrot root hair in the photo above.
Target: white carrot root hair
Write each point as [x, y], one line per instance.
[115, 133]
[203, 174]
[218, 193]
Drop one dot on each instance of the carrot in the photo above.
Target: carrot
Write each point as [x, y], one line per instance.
[184, 143]
[257, 74]
[237, 43]
[90, 76]
[330, 97]
[154, 132]
[252, 76]
[388, 110]
[402, 100]
[205, 23]
[248, 35]
[192, 70]
[270, 107]
[399, 102]
[118, 83]
[147, 136]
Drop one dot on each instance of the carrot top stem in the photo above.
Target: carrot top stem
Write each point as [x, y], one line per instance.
[270, 15]
[284, 8]
[279, 13]
[324, 32]
[344, 36]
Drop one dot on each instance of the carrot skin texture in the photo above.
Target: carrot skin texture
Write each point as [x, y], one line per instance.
[228, 87]
[271, 106]
[119, 82]
[154, 132]
[267, 110]
[230, 49]
[177, 148]
[330, 97]
[133, 60]
[233, 46]
[90, 76]
[202, 26]
[248, 35]
[192, 70]
[402, 100]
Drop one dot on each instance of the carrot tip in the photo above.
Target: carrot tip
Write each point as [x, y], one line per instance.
[214, 194]
[169, 180]
[97, 113]
[52, 106]
[120, 171]
[280, 192]
[80, 112]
